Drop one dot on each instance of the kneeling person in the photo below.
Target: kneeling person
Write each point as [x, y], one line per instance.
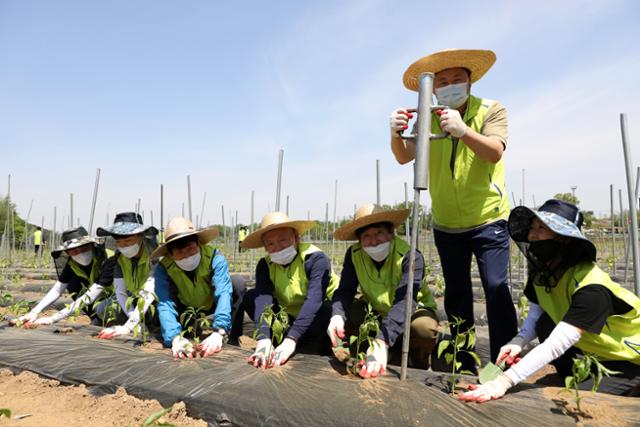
[379, 265]
[195, 274]
[295, 277]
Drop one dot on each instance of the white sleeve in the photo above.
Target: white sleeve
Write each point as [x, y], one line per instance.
[561, 339]
[87, 298]
[122, 295]
[147, 293]
[54, 293]
[528, 331]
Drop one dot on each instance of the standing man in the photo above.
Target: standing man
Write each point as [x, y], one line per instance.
[37, 240]
[466, 175]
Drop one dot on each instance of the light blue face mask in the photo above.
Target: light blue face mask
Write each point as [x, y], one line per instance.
[453, 96]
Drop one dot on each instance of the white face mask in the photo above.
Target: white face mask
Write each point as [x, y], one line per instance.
[378, 253]
[284, 256]
[84, 258]
[130, 251]
[189, 263]
[453, 96]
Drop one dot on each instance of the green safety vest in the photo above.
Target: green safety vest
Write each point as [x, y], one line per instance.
[620, 337]
[79, 271]
[37, 238]
[290, 282]
[134, 278]
[199, 292]
[379, 286]
[474, 193]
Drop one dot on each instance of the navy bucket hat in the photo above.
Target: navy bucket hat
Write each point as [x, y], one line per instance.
[126, 224]
[561, 217]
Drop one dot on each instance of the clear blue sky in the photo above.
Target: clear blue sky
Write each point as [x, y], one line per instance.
[151, 91]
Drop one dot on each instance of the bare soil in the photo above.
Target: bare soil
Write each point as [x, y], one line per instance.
[594, 408]
[45, 402]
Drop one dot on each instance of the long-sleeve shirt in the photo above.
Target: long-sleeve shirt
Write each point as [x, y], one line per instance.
[393, 325]
[318, 271]
[167, 292]
[147, 294]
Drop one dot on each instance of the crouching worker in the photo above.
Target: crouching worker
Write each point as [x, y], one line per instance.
[294, 277]
[379, 266]
[83, 271]
[193, 275]
[133, 271]
[575, 308]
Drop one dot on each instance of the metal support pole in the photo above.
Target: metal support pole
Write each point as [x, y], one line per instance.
[224, 227]
[626, 255]
[326, 227]
[287, 206]
[279, 183]
[632, 203]
[420, 182]
[204, 199]
[406, 205]
[189, 197]
[93, 203]
[26, 227]
[623, 223]
[613, 233]
[378, 182]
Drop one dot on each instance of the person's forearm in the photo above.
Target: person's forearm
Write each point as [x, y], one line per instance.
[528, 331]
[403, 150]
[489, 149]
[54, 293]
[87, 298]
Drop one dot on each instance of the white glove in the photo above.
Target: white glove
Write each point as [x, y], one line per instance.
[336, 329]
[451, 122]
[284, 351]
[376, 361]
[212, 344]
[399, 120]
[509, 353]
[108, 333]
[44, 320]
[29, 317]
[494, 389]
[262, 354]
[181, 347]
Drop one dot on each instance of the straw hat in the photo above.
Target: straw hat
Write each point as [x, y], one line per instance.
[367, 215]
[180, 227]
[477, 62]
[271, 221]
[126, 224]
[73, 238]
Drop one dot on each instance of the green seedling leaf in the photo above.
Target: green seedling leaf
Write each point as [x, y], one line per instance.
[151, 419]
[475, 357]
[443, 346]
[489, 372]
[4, 412]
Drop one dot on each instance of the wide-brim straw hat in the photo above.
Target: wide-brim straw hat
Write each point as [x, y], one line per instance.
[476, 61]
[561, 217]
[73, 238]
[126, 224]
[370, 214]
[179, 228]
[271, 221]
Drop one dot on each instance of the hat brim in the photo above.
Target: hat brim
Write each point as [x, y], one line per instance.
[395, 217]
[478, 62]
[204, 236]
[126, 229]
[520, 224]
[254, 240]
[86, 240]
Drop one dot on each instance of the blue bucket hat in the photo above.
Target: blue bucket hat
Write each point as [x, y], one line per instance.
[561, 217]
[127, 224]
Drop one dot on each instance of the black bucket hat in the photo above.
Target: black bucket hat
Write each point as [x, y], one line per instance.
[127, 224]
[561, 217]
[73, 238]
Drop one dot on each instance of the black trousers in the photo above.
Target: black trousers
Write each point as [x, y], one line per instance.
[627, 383]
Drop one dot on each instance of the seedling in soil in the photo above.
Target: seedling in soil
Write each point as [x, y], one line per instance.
[141, 328]
[583, 368]
[278, 322]
[152, 420]
[367, 332]
[111, 311]
[464, 342]
[194, 321]
[5, 412]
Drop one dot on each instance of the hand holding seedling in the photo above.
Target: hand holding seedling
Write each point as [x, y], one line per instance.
[492, 390]
[284, 351]
[262, 354]
[29, 317]
[376, 360]
[49, 320]
[509, 353]
[336, 329]
[211, 345]
[182, 348]
[109, 333]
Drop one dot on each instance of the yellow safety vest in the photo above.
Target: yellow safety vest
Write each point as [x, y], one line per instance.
[290, 282]
[620, 337]
[379, 286]
[37, 237]
[474, 193]
[199, 292]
